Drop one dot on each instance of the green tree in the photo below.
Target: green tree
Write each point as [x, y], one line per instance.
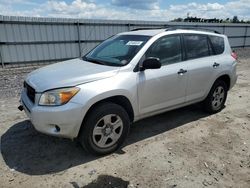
[177, 20]
[235, 19]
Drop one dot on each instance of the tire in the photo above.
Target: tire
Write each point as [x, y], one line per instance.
[105, 129]
[216, 98]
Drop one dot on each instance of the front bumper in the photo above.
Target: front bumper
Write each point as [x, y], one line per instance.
[63, 121]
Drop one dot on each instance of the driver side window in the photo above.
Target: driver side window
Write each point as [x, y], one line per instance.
[167, 49]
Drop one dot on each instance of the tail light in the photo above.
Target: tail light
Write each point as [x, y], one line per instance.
[234, 55]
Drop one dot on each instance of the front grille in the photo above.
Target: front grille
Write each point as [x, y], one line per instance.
[30, 92]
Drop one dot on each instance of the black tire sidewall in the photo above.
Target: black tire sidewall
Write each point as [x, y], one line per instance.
[95, 115]
[208, 101]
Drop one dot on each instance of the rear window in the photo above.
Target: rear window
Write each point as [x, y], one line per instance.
[218, 44]
[196, 46]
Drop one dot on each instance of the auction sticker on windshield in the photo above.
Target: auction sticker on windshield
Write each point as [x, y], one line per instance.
[134, 43]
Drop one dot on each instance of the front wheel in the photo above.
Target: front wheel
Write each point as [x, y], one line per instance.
[105, 129]
[216, 98]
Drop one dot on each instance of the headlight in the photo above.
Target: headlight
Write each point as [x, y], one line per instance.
[58, 96]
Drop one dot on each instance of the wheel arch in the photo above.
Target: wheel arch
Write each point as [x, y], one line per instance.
[117, 99]
[226, 78]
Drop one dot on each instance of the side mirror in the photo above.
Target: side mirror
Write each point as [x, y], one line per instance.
[150, 63]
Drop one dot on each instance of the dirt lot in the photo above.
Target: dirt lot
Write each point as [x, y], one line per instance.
[181, 148]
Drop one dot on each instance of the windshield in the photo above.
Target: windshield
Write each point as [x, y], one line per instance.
[118, 50]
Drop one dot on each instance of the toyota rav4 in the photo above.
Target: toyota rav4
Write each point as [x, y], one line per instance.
[128, 77]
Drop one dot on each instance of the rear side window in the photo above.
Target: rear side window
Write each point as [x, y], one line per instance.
[218, 44]
[196, 46]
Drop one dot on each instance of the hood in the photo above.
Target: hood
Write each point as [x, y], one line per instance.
[68, 73]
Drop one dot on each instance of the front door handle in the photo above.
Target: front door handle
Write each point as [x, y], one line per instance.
[182, 71]
[215, 65]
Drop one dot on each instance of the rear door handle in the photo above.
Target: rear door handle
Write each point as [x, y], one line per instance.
[182, 71]
[215, 65]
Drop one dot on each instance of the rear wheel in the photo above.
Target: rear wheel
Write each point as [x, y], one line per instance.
[216, 98]
[104, 129]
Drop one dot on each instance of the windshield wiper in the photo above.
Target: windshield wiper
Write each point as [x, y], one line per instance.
[93, 61]
[96, 61]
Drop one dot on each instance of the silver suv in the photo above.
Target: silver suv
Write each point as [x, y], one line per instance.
[128, 77]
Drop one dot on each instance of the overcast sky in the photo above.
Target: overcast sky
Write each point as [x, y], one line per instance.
[158, 10]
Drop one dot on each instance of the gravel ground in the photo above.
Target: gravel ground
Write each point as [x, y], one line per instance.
[11, 80]
[181, 148]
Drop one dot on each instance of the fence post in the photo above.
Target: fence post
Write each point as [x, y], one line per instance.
[1, 57]
[224, 29]
[245, 37]
[128, 26]
[78, 36]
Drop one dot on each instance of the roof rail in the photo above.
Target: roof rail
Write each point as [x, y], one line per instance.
[146, 28]
[172, 28]
[192, 28]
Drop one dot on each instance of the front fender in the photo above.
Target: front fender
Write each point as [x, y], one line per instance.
[94, 92]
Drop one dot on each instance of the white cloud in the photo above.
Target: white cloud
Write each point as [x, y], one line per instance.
[239, 8]
[89, 9]
[81, 9]
[8, 10]
[215, 10]
[16, 2]
[198, 7]
[214, 6]
[200, 10]
[138, 4]
[75, 7]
